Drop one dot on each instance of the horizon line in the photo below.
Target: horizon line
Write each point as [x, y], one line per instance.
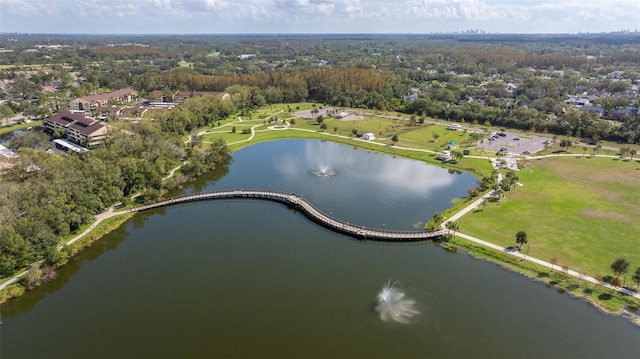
[463, 32]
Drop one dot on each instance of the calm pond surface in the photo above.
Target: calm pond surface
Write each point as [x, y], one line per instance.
[255, 279]
[6, 137]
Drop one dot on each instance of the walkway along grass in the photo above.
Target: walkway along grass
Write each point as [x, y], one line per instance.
[607, 300]
[478, 166]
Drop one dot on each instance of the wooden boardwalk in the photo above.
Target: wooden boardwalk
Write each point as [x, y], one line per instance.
[309, 210]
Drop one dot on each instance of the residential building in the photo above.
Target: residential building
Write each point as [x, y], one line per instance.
[6, 153]
[594, 110]
[622, 113]
[617, 75]
[511, 87]
[106, 113]
[86, 103]
[179, 96]
[78, 128]
[578, 101]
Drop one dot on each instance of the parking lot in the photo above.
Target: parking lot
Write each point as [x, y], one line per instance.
[514, 143]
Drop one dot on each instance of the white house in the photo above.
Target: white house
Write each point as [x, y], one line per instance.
[578, 101]
[368, 136]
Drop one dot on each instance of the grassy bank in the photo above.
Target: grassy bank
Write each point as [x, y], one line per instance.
[478, 167]
[605, 299]
[103, 228]
[580, 211]
[19, 126]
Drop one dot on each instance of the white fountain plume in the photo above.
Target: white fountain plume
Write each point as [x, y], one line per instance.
[392, 305]
[323, 171]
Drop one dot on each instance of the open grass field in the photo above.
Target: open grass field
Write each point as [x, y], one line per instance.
[582, 211]
[423, 137]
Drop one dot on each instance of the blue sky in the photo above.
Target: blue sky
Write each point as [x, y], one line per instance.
[316, 16]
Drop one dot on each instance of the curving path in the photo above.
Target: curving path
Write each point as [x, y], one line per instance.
[298, 202]
[335, 224]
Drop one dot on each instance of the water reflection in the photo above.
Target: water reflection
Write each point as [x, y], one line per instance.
[396, 173]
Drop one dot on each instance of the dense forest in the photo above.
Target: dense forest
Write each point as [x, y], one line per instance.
[45, 197]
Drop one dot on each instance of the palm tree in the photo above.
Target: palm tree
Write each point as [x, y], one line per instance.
[521, 238]
[619, 267]
[457, 155]
[498, 193]
[452, 226]
[623, 152]
[437, 220]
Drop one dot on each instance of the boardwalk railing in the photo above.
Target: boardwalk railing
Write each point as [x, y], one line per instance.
[309, 210]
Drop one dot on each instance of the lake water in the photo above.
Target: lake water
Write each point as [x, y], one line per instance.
[6, 137]
[256, 279]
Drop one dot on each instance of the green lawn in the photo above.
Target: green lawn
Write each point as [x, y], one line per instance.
[423, 137]
[581, 211]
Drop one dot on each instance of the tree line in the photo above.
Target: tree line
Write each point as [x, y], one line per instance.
[44, 197]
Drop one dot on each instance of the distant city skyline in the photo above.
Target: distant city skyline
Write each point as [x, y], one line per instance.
[316, 16]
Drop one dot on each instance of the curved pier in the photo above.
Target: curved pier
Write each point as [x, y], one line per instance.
[309, 210]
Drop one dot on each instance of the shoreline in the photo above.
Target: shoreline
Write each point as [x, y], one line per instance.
[457, 210]
[538, 275]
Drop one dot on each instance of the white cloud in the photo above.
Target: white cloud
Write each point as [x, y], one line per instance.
[17, 7]
[377, 16]
[106, 8]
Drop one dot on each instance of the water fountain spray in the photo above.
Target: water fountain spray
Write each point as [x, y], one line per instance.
[394, 306]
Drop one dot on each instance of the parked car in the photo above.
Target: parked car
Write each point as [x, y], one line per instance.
[503, 149]
[516, 138]
[526, 152]
[502, 134]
